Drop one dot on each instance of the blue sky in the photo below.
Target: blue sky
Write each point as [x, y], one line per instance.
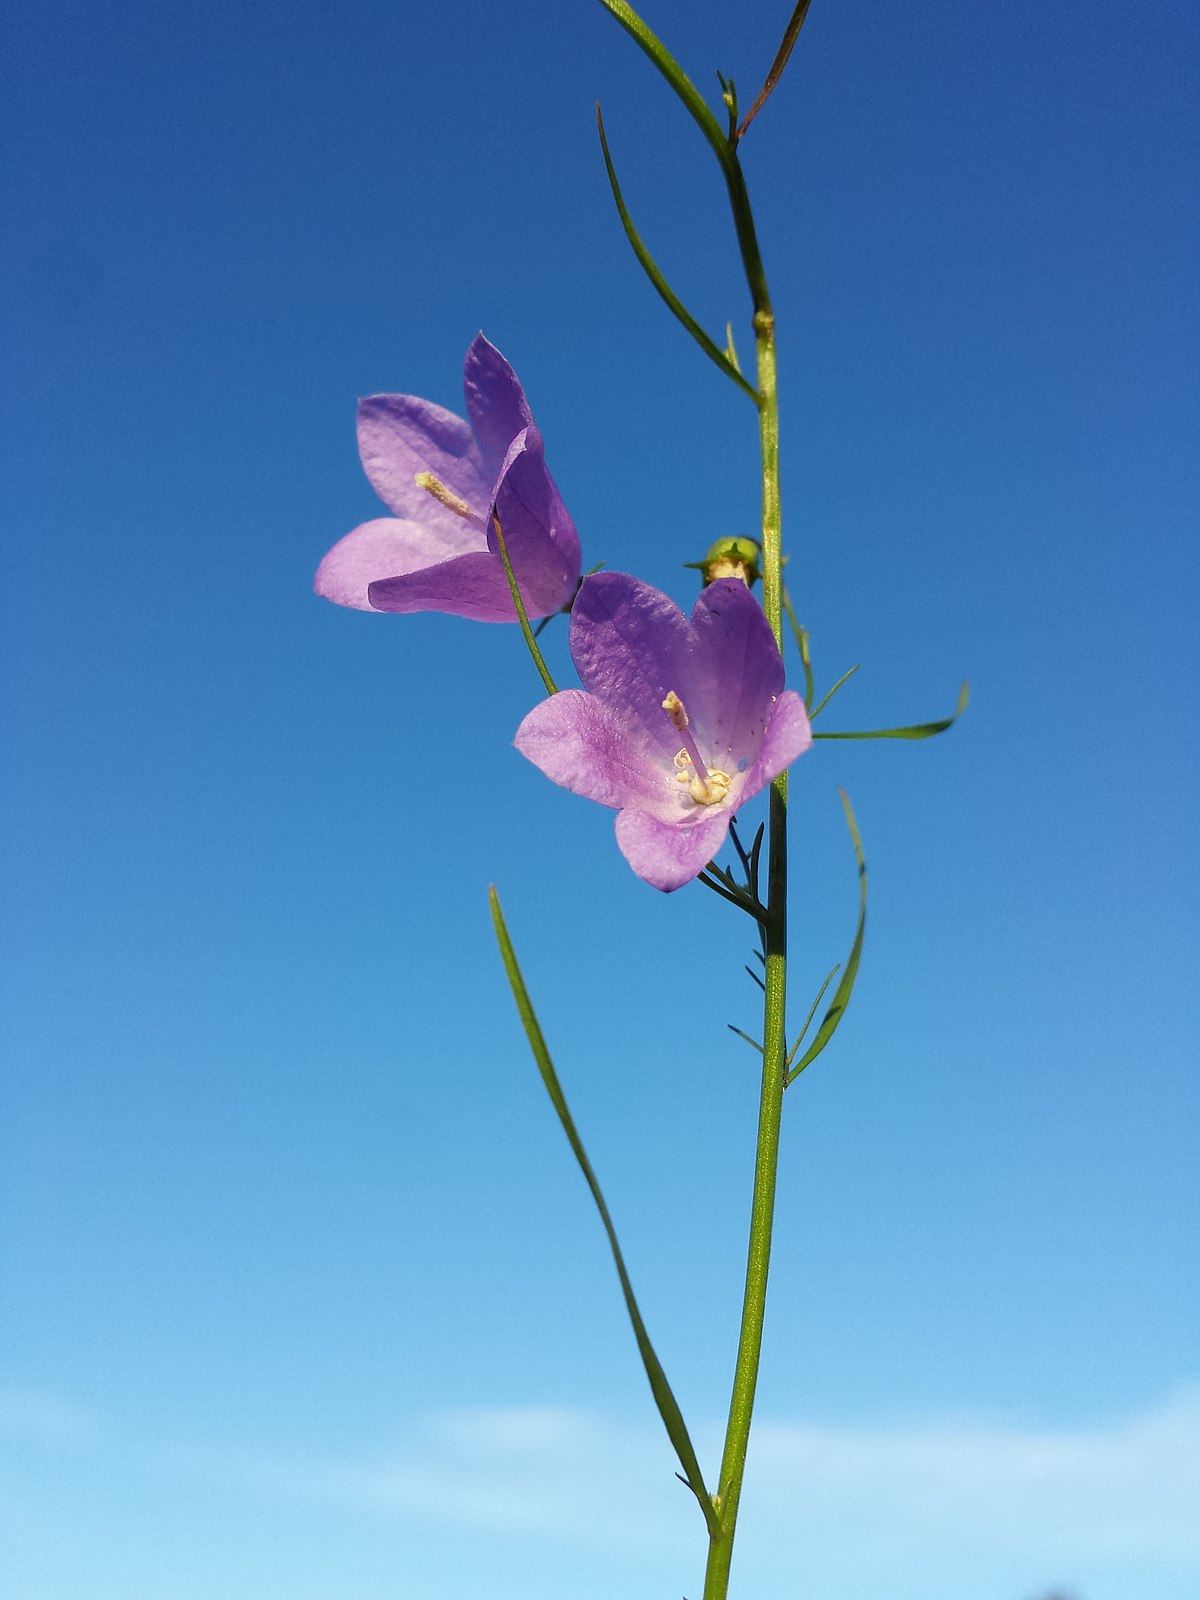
[303, 1296]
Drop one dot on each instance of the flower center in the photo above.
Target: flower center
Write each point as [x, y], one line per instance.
[706, 788]
[446, 497]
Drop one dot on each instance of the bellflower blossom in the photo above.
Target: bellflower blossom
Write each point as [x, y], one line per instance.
[679, 722]
[448, 481]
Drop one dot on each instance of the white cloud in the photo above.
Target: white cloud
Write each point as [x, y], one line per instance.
[1129, 1491]
[861, 1511]
[1124, 1491]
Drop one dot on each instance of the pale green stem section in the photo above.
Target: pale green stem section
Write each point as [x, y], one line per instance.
[766, 1163]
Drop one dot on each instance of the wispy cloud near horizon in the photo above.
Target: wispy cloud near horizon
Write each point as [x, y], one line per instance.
[875, 1501]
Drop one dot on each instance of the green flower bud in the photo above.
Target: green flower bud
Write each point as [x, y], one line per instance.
[730, 558]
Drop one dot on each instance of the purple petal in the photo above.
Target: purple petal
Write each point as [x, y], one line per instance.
[471, 586]
[538, 532]
[384, 548]
[578, 742]
[631, 646]
[666, 855]
[400, 435]
[738, 673]
[496, 402]
[787, 735]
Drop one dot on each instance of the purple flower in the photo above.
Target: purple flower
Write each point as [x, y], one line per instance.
[678, 723]
[447, 481]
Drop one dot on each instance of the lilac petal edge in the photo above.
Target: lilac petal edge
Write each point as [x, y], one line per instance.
[578, 743]
[666, 855]
[630, 644]
[496, 404]
[472, 586]
[786, 736]
[744, 672]
[542, 543]
[400, 435]
[386, 547]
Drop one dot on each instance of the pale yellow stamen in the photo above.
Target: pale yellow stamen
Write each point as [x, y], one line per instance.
[447, 497]
[708, 792]
[706, 788]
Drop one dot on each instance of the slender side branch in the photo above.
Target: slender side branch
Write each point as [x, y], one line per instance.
[652, 270]
[668, 1407]
[791, 34]
[514, 589]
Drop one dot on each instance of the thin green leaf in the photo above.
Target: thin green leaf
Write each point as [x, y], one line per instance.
[730, 101]
[522, 618]
[849, 674]
[664, 1399]
[735, 896]
[922, 730]
[751, 974]
[731, 348]
[801, 637]
[650, 267]
[777, 66]
[753, 1043]
[841, 995]
[674, 74]
[812, 1011]
[736, 840]
[755, 854]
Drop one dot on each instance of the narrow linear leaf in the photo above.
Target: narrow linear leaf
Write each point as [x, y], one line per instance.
[664, 1399]
[753, 1043]
[781, 60]
[922, 730]
[841, 995]
[652, 270]
[816, 711]
[754, 977]
[666, 63]
[800, 635]
[736, 897]
[812, 1011]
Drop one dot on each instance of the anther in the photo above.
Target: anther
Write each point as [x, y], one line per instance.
[673, 706]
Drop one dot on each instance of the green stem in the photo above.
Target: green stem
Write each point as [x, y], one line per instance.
[766, 1163]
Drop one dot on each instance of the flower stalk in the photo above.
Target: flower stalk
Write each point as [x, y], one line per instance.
[774, 924]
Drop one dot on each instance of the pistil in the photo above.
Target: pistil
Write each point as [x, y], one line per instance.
[446, 497]
[706, 788]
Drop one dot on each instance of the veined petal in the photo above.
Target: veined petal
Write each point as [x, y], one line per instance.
[631, 645]
[385, 548]
[578, 742]
[473, 586]
[739, 674]
[541, 539]
[786, 736]
[400, 435]
[496, 403]
[666, 854]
